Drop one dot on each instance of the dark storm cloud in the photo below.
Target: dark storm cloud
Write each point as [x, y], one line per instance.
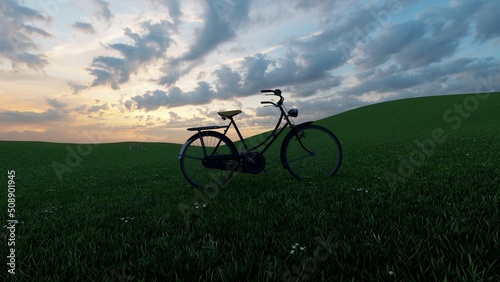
[147, 47]
[84, 27]
[18, 33]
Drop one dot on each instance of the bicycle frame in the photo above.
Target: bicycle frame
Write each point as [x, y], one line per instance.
[271, 138]
[267, 142]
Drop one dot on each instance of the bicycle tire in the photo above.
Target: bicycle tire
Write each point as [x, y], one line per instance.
[311, 151]
[191, 156]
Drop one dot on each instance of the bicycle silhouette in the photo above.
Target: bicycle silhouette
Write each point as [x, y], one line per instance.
[307, 151]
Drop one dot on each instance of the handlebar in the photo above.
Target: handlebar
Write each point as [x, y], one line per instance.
[270, 103]
[276, 92]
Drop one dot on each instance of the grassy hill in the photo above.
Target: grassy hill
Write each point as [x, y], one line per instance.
[404, 120]
[416, 198]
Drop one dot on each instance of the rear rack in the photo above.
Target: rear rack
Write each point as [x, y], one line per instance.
[206, 127]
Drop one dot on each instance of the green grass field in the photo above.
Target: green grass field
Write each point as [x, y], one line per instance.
[417, 198]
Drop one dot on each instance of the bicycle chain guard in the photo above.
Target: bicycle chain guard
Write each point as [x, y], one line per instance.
[252, 162]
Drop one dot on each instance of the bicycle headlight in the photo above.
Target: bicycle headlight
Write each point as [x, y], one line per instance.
[293, 112]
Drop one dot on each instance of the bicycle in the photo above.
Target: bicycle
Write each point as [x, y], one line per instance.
[306, 151]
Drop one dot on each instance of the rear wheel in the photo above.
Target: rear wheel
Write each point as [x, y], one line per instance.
[311, 152]
[197, 149]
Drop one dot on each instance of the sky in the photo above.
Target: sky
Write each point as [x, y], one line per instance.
[96, 71]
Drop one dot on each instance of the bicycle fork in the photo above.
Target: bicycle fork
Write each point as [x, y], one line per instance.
[299, 137]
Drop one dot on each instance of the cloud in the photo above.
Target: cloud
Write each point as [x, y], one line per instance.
[391, 41]
[221, 20]
[312, 88]
[147, 47]
[77, 88]
[384, 55]
[435, 34]
[416, 57]
[31, 117]
[255, 73]
[456, 76]
[57, 112]
[348, 24]
[325, 106]
[445, 27]
[152, 100]
[56, 104]
[92, 111]
[174, 9]
[18, 33]
[103, 10]
[30, 135]
[488, 21]
[84, 27]
[260, 71]
[97, 108]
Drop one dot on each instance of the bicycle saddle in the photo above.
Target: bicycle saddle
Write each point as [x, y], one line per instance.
[228, 114]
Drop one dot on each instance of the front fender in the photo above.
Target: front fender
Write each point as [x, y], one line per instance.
[289, 135]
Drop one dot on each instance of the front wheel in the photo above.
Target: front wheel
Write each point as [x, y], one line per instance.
[311, 152]
[198, 148]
